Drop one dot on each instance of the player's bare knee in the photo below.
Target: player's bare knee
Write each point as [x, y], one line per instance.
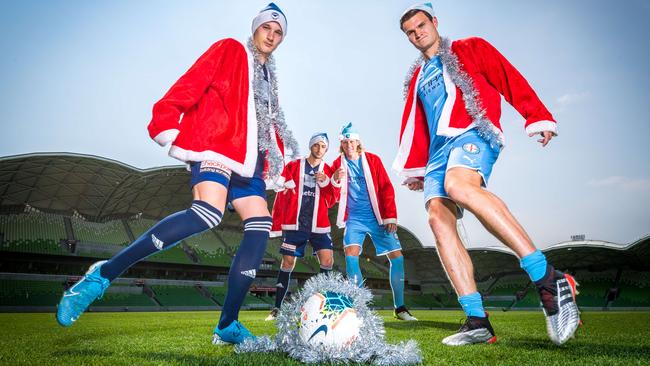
[287, 263]
[327, 262]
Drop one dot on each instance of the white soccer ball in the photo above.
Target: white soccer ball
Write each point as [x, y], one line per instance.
[329, 319]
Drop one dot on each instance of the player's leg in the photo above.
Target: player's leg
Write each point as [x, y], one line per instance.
[465, 185]
[353, 237]
[387, 243]
[325, 260]
[254, 213]
[282, 284]
[458, 266]
[323, 247]
[205, 212]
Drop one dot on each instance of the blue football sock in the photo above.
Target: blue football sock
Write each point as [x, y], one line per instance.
[472, 304]
[397, 280]
[282, 286]
[353, 270]
[535, 265]
[165, 234]
[244, 266]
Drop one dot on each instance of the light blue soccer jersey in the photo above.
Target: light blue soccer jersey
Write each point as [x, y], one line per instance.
[359, 207]
[432, 94]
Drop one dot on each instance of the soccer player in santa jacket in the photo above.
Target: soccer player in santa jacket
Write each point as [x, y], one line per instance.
[450, 139]
[300, 214]
[367, 207]
[223, 119]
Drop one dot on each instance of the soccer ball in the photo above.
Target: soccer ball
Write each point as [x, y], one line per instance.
[329, 319]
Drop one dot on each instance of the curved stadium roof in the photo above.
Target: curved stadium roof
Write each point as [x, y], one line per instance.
[101, 189]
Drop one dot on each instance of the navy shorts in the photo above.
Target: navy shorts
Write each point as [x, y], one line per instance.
[238, 186]
[294, 242]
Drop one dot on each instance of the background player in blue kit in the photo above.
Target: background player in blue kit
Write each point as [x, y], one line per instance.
[367, 207]
[206, 116]
[300, 214]
[450, 139]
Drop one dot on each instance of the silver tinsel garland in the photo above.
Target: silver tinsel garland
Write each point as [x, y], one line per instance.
[471, 97]
[369, 347]
[270, 116]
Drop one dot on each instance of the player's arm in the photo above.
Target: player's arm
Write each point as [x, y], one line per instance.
[338, 173]
[504, 77]
[387, 195]
[327, 192]
[189, 88]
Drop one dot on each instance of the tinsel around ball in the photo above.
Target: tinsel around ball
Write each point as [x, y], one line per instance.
[369, 347]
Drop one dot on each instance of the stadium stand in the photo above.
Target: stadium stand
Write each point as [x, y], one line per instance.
[29, 293]
[32, 232]
[180, 296]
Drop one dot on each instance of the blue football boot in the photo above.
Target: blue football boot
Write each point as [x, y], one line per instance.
[77, 298]
[235, 333]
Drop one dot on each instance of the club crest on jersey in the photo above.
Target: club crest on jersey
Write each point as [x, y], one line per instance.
[471, 148]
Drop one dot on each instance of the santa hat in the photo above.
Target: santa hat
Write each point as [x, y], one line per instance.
[425, 7]
[271, 13]
[349, 133]
[319, 137]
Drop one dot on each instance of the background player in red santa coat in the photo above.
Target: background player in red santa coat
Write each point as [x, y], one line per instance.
[223, 119]
[300, 214]
[367, 207]
[450, 139]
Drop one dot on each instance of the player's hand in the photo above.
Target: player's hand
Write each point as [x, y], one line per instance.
[338, 175]
[546, 137]
[320, 177]
[417, 185]
[390, 228]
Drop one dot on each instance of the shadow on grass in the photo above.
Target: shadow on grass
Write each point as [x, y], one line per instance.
[422, 324]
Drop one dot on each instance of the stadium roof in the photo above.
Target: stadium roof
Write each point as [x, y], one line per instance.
[100, 189]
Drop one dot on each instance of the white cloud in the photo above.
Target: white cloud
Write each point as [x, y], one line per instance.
[570, 99]
[622, 182]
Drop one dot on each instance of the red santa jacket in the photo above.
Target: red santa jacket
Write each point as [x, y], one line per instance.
[209, 113]
[382, 194]
[286, 207]
[492, 76]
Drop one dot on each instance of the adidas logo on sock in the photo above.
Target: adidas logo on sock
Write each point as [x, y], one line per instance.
[279, 285]
[157, 242]
[250, 273]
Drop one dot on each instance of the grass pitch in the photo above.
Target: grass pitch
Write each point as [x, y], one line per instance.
[183, 338]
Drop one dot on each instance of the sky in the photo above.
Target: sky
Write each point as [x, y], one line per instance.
[82, 76]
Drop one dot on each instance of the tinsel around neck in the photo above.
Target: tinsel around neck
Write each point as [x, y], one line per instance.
[270, 117]
[464, 82]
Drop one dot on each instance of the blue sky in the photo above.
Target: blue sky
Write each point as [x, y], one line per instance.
[82, 76]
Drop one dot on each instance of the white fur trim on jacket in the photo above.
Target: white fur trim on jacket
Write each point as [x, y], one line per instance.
[541, 126]
[166, 137]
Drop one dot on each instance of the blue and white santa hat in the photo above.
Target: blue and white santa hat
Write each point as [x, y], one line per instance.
[349, 133]
[425, 7]
[271, 13]
[319, 137]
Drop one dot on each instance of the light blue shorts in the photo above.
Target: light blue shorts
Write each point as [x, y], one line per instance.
[355, 234]
[468, 150]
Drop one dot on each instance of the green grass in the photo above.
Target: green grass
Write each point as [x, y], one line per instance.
[183, 338]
